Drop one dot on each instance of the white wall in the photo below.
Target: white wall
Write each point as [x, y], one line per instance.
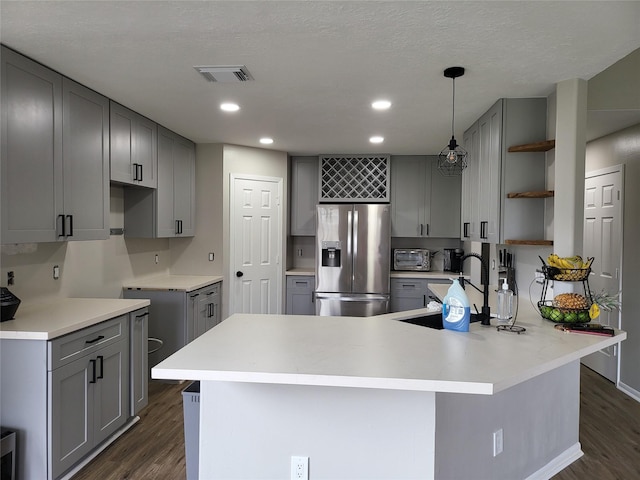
[88, 268]
[623, 148]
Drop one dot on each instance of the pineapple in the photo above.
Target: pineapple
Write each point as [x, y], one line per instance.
[571, 301]
[607, 301]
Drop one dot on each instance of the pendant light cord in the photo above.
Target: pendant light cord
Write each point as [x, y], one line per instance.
[453, 107]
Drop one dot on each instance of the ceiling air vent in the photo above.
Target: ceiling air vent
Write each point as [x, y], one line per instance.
[225, 73]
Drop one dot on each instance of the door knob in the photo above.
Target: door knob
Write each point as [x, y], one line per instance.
[239, 274]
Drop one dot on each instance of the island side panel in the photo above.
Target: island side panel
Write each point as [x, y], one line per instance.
[539, 419]
[250, 431]
[23, 403]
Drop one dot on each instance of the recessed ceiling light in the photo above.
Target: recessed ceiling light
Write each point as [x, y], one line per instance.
[230, 107]
[376, 139]
[381, 104]
[266, 140]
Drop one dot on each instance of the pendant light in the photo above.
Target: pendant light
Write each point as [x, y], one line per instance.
[453, 158]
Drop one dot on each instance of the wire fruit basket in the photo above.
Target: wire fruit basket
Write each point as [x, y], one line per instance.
[562, 315]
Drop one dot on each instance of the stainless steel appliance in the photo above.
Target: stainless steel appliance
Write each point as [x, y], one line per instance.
[352, 259]
[452, 259]
[414, 259]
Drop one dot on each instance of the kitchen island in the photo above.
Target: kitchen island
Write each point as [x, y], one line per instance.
[379, 398]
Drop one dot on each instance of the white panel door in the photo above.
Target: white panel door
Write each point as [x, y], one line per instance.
[603, 241]
[256, 269]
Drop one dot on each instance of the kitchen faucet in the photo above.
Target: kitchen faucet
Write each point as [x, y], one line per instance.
[485, 315]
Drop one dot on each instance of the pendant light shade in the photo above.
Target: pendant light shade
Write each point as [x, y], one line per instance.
[452, 160]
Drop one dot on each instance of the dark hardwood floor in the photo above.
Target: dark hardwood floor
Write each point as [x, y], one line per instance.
[154, 448]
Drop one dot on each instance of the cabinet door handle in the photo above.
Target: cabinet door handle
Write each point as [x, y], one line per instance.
[145, 314]
[63, 226]
[97, 339]
[421, 227]
[195, 295]
[135, 172]
[483, 229]
[465, 229]
[180, 226]
[101, 374]
[427, 229]
[70, 218]
[140, 165]
[93, 371]
[424, 300]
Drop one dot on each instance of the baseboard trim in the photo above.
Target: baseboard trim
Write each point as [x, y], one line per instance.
[100, 448]
[559, 463]
[633, 393]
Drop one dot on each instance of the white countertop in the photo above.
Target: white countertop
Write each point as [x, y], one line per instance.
[184, 283]
[48, 320]
[301, 271]
[377, 352]
[433, 275]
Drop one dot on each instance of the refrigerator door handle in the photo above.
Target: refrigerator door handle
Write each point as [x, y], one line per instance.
[351, 298]
[350, 239]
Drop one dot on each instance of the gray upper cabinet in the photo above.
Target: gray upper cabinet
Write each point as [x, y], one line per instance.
[304, 195]
[31, 150]
[85, 147]
[424, 203]
[493, 172]
[169, 210]
[134, 140]
[55, 155]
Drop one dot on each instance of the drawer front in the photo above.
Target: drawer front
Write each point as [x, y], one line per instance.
[75, 345]
[408, 285]
[301, 283]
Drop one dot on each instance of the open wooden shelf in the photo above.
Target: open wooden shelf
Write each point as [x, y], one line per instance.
[538, 194]
[534, 147]
[529, 242]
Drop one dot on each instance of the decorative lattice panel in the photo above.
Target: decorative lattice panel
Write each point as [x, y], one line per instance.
[354, 178]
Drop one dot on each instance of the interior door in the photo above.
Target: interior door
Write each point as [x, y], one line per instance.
[255, 244]
[603, 241]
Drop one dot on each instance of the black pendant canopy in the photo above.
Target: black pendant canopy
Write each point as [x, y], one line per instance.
[452, 160]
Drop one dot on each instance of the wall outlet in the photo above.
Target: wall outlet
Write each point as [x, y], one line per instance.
[539, 277]
[211, 256]
[497, 442]
[56, 272]
[10, 277]
[157, 259]
[299, 468]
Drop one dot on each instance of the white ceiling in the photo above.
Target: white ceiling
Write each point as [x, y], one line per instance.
[319, 65]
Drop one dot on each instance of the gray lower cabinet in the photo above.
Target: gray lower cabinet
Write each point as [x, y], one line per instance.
[411, 293]
[139, 355]
[424, 203]
[300, 295]
[67, 396]
[134, 143]
[177, 317]
[168, 210]
[55, 156]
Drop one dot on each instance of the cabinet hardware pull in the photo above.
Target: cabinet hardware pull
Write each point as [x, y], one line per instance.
[483, 229]
[97, 339]
[465, 229]
[70, 218]
[135, 172]
[427, 229]
[101, 358]
[421, 227]
[93, 371]
[424, 300]
[140, 165]
[62, 223]
[145, 314]
[195, 295]
[239, 274]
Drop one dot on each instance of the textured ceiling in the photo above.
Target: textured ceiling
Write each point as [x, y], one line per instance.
[319, 65]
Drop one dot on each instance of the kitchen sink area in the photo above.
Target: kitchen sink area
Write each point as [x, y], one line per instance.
[434, 320]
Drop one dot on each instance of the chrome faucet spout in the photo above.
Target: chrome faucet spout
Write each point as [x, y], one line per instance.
[485, 315]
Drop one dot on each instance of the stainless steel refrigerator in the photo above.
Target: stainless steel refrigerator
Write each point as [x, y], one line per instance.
[352, 259]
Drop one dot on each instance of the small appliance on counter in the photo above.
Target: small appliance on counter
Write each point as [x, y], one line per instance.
[412, 259]
[9, 303]
[452, 259]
